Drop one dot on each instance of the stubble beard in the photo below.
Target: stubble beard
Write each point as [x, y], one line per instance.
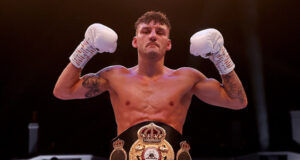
[152, 55]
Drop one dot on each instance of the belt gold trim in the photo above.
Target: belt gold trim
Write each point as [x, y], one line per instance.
[183, 153]
[118, 153]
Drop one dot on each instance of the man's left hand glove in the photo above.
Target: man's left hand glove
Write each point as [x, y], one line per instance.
[209, 43]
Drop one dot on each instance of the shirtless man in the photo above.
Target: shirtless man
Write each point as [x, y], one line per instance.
[150, 91]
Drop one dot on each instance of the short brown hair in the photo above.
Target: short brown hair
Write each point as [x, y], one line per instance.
[156, 16]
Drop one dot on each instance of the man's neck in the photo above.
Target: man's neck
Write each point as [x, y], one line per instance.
[150, 68]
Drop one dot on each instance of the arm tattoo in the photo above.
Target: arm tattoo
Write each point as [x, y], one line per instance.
[233, 87]
[92, 82]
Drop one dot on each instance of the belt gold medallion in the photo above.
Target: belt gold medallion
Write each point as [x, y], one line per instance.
[151, 144]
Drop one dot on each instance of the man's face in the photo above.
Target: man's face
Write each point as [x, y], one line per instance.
[152, 39]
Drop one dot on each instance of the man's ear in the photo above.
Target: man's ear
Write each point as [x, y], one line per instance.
[169, 46]
[134, 43]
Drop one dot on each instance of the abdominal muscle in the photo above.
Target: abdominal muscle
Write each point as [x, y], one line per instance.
[126, 118]
[167, 108]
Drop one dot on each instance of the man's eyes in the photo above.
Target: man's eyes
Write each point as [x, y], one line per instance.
[146, 31]
[158, 31]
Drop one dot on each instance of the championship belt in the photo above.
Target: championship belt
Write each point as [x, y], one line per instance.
[150, 141]
[151, 144]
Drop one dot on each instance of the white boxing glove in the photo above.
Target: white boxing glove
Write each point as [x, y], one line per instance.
[209, 43]
[98, 38]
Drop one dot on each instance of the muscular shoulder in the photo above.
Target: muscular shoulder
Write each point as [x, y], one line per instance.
[112, 70]
[189, 72]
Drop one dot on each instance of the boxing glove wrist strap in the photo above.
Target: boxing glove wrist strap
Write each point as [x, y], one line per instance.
[82, 54]
[222, 61]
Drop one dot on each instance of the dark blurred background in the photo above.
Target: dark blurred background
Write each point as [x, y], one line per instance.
[38, 36]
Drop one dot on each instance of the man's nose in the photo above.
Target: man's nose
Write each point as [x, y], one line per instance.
[153, 36]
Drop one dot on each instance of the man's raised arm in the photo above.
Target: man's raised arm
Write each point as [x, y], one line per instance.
[98, 38]
[209, 43]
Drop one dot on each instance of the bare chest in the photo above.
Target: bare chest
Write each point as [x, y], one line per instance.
[166, 91]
